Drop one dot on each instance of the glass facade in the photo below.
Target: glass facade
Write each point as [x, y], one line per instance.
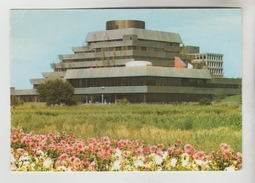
[147, 81]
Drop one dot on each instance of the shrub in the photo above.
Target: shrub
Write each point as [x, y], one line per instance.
[15, 101]
[56, 92]
[218, 96]
[205, 101]
[123, 101]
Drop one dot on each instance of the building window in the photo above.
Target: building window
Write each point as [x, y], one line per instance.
[144, 48]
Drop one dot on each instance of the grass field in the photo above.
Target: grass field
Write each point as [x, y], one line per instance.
[205, 127]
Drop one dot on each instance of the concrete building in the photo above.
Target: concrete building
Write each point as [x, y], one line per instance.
[213, 62]
[127, 60]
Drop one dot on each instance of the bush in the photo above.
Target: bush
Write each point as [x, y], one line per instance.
[56, 92]
[205, 101]
[123, 101]
[15, 101]
[220, 95]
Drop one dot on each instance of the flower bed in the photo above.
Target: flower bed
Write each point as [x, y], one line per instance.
[63, 152]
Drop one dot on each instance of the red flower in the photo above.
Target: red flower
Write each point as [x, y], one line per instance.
[63, 157]
[153, 149]
[189, 149]
[170, 150]
[200, 155]
[139, 152]
[85, 161]
[179, 142]
[160, 146]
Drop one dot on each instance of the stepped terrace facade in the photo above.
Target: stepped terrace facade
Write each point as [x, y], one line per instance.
[126, 60]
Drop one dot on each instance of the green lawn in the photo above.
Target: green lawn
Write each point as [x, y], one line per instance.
[205, 127]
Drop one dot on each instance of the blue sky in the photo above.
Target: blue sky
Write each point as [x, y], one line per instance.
[37, 37]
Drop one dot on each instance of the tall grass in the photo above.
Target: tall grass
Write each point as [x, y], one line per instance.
[204, 127]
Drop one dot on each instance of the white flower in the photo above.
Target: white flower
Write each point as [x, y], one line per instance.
[158, 159]
[12, 159]
[173, 161]
[25, 159]
[200, 162]
[159, 168]
[165, 155]
[47, 163]
[152, 155]
[40, 152]
[184, 163]
[62, 168]
[185, 156]
[140, 158]
[138, 163]
[13, 167]
[116, 165]
[230, 168]
[118, 154]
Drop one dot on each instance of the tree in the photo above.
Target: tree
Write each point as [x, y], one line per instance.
[15, 101]
[220, 95]
[56, 92]
[205, 101]
[199, 64]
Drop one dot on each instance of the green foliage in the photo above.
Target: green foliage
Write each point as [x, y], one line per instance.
[199, 64]
[205, 101]
[15, 101]
[219, 96]
[123, 101]
[240, 93]
[204, 126]
[56, 92]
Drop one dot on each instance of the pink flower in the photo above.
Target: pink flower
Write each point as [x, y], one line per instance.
[20, 151]
[211, 155]
[146, 149]
[160, 146]
[153, 149]
[57, 163]
[63, 157]
[80, 146]
[71, 135]
[189, 149]
[179, 142]
[70, 168]
[71, 159]
[76, 161]
[179, 151]
[106, 139]
[200, 155]
[160, 153]
[227, 153]
[224, 147]
[92, 166]
[106, 154]
[170, 150]
[239, 156]
[139, 152]
[85, 161]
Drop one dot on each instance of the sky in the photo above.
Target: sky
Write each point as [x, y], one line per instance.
[37, 37]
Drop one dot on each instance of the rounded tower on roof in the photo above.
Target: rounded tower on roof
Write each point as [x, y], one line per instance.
[123, 24]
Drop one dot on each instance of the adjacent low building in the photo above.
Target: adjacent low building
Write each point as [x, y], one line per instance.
[126, 60]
